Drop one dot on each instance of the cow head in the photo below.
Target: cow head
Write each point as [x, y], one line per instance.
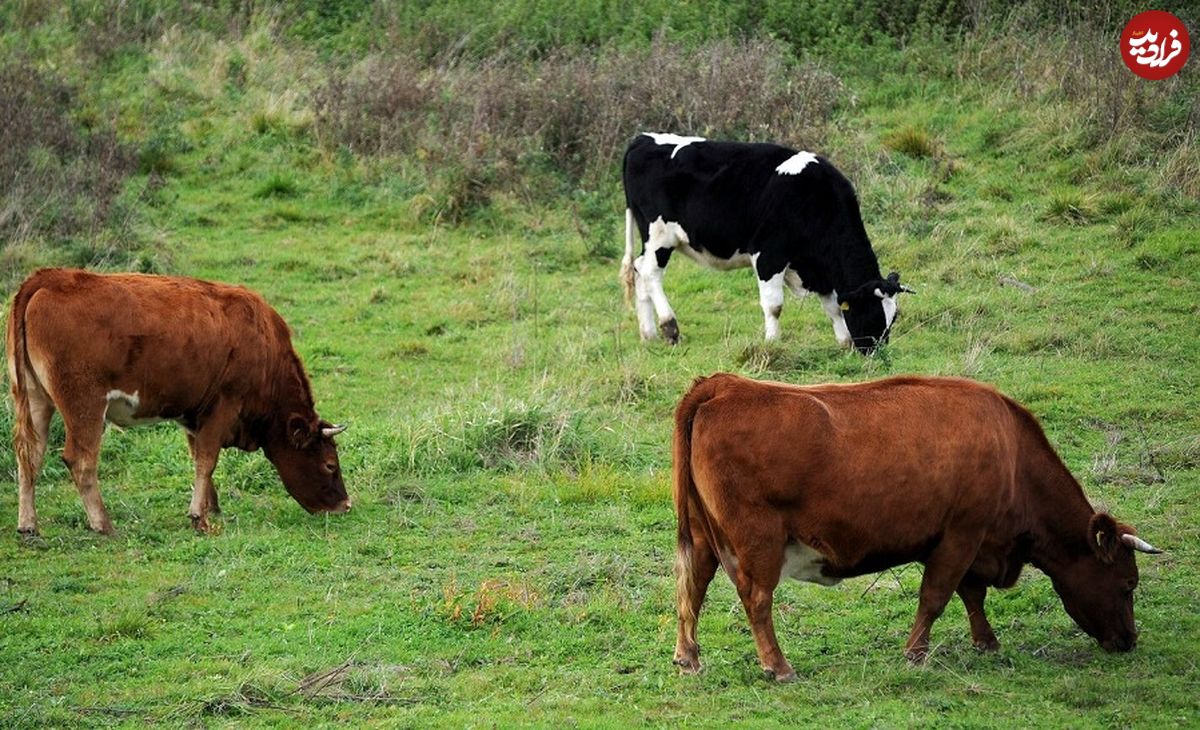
[1096, 586]
[870, 311]
[303, 452]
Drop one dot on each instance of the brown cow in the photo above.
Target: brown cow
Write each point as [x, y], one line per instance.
[826, 482]
[134, 349]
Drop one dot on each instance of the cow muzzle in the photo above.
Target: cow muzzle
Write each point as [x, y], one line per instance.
[1125, 642]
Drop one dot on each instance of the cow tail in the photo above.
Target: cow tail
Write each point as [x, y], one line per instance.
[627, 272]
[24, 433]
[684, 491]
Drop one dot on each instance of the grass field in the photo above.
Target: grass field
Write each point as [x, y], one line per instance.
[508, 558]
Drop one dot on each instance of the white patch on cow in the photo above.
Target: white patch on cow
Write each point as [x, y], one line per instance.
[672, 139]
[122, 408]
[645, 307]
[833, 310]
[889, 310]
[803, 563]
[795, 164]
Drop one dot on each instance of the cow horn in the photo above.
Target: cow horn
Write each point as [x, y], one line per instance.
[332, 430]
[906, 290]
[1139, 544]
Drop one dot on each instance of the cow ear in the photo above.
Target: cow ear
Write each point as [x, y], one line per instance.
[1104, 535]
[895, 286]
[300, 431]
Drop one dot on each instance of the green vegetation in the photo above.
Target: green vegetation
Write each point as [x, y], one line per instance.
[432, 200]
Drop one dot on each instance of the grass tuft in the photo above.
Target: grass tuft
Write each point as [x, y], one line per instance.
[1071, 206]
[278, 185]
[916, 143]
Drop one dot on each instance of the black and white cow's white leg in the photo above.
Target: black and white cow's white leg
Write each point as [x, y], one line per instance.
[770, 294]
[644, 306]
[651, 298]
[833, 310]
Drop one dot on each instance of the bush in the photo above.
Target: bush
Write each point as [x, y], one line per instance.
[59, 179]
[498, 124]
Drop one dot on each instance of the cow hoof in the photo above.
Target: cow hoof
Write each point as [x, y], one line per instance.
[104, 528]
[916, 657]
[782, 676]
[27, 533]
[670, 331]
[200, 524]
[990, 645]
[688, 666]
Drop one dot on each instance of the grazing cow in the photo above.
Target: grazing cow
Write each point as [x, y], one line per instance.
[790, 215]
[134, 349]
[826, 482]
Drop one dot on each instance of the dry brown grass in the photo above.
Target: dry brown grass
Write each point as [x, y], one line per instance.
[501, 124]
[59, 177]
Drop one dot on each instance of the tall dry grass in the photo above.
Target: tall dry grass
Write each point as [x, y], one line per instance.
[61, 176]
[504, 124]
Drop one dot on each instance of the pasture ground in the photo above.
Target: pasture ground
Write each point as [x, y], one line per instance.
[508, 558]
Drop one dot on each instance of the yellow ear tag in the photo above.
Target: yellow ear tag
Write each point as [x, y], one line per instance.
[845, 306]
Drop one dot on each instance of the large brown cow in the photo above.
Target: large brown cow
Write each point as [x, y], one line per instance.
[825, 482]
[134, 349]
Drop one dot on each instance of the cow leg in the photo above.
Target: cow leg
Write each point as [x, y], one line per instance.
[944, 571]
[694, 570]
[30, 447]
[210, 491]
[205, 446]
[972, 593]
[652, 298]
[770, 295]
[833, 310]
[758, 571]
[757, 598]
[644, 307]
[85, 429]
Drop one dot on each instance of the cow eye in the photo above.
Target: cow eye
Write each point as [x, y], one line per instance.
[331, 467]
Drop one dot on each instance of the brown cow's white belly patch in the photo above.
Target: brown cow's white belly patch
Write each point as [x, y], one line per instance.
[803, 563]
[122, 408]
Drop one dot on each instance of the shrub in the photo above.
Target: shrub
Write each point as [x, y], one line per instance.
[59, 179]
[498, 124]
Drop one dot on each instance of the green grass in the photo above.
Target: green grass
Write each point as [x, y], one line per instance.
[508, 557]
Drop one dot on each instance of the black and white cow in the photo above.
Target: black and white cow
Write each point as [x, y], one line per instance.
[790, 215]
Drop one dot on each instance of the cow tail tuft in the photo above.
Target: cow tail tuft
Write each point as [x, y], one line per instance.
[684, 491]
[627, 272]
